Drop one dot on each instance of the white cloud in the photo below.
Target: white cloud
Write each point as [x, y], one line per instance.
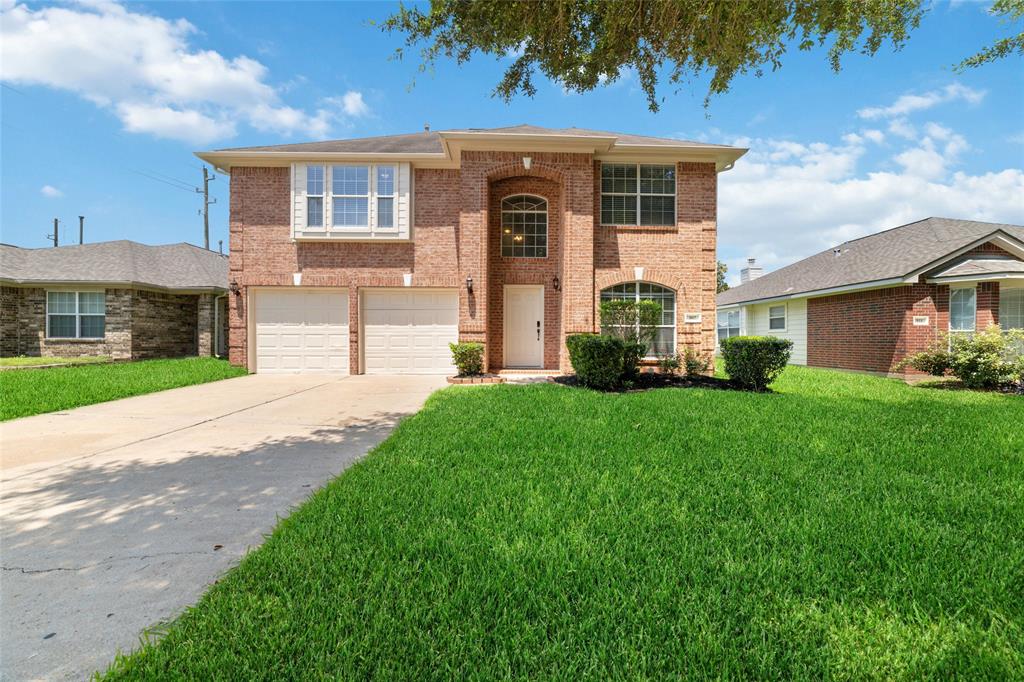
[143, 68]
[787, 200]
[354, 104]
[50, 192]
[909, 103]
[876, 136]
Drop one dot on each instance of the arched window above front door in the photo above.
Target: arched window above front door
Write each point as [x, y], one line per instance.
[665, 338]
[524, 227]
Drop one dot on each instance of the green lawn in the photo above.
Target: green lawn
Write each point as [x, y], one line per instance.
[28, 392]
[845, 527]
[25, 361]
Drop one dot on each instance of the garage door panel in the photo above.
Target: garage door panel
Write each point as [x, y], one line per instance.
[408, 331]
[301, 331]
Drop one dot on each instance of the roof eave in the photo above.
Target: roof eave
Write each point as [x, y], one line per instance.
[224, 161]
[986, 277]
[13, 281]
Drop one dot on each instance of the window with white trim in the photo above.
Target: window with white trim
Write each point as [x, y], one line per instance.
[524, 227]
[665, 339]
[777, 318]
[76, 314]
[385, 196]
[350, 196]
[638, 194]
[728, 324]
[1011, 308]
[962, 309]
[315, 196]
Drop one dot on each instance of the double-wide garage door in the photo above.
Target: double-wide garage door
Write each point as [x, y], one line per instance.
[405, 331]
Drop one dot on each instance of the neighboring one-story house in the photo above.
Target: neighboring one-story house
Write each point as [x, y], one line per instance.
[372, 255]
[869, 303]
[121, 299]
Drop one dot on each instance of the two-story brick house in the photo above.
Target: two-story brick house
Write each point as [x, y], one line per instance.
[371, 255]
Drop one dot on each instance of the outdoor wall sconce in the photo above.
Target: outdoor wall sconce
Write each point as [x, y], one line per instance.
[556, 283]
[234, 288]
[527, 161]
[469, 284]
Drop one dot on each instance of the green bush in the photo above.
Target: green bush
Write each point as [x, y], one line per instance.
[985, 359]
[755, 361]
[669, 364]
[597, 359]
[935, 360]
[468, 358]
[636, 323]
[693, 362]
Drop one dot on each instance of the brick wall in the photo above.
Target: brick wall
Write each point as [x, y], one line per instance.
[10, 302]
[455, 223]
[28, 305]
[682, 257]
[874, 330]
[163, 325]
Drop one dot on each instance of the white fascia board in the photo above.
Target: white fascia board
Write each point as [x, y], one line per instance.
[990, 277]
[1000, 238]
[818, 293]
[223, 161]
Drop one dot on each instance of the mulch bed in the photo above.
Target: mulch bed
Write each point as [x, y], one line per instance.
[647, 381]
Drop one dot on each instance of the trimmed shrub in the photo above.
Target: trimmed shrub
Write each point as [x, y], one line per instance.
[669, 364]
[755, 361]
[636, 323]
[596, 359]
[468, 358]
[632, 354]
[985, 359]
[693, 362]
[934, 360]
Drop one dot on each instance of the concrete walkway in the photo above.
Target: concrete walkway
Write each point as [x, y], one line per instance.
[114, 517]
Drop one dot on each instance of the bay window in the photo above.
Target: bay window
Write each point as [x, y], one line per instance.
[351, 201]
[638, 194]
[75, 314]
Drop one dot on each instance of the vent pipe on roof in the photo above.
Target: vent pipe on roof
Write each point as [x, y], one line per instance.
[751, 272]
[426, 127]
[81, 229]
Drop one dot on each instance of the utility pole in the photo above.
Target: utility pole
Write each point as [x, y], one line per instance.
[55, 237]
[205, 211]
[81, 229]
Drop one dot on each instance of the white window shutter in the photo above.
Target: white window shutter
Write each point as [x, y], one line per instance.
[298, 197]
[403, 209]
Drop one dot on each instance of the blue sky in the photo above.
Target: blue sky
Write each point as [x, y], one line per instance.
[97, 97]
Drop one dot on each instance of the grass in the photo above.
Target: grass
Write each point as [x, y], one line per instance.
[61, 388]
[24, 361]
[845, 527]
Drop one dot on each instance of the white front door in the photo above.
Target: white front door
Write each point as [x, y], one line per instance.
[524, 325]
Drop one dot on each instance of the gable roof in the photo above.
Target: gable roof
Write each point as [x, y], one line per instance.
[174, 267]
[893, 254]
[443, 146]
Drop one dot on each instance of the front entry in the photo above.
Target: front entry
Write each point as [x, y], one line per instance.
[524, 326]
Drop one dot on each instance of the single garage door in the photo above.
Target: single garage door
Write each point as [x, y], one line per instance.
[407, 331]
[302, 331]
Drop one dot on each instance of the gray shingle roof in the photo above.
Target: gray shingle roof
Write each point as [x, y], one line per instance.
[171, 266]
[885, 255]
[430, 142]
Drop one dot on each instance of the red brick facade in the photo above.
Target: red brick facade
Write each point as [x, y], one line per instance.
[874, 330]
[456, 235]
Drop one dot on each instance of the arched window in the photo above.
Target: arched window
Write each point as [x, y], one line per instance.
[665, 340]
[524, 227]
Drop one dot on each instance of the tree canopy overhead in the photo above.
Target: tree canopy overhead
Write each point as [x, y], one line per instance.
[584, 43]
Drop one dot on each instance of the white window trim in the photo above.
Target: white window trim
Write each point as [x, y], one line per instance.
[785, 317]
[77, 315]
[974, 319]
[328, 227]
[1003, 298]
[639, 194]
[376, 196]
[322, 196]
[675, 311]
[738, 327]
[547, 224]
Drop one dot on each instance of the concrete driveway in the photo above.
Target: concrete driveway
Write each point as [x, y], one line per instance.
[116, 516]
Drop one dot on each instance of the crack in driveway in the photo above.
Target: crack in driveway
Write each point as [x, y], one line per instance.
[105, 562]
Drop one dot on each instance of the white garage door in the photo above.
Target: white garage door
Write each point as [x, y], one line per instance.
[407, 331]
[302, 331]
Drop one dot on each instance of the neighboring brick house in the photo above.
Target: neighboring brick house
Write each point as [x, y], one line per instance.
[371, 255]
[122, 299]
[870, 302]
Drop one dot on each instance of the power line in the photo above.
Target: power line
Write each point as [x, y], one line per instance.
[174, 184]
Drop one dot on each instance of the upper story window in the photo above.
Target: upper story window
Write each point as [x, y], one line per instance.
[315, 196]
[351, 200]
[962, 307]
[1011, 308]
[524, 227]
[76, 314]
[777, 318]
[638, 194]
